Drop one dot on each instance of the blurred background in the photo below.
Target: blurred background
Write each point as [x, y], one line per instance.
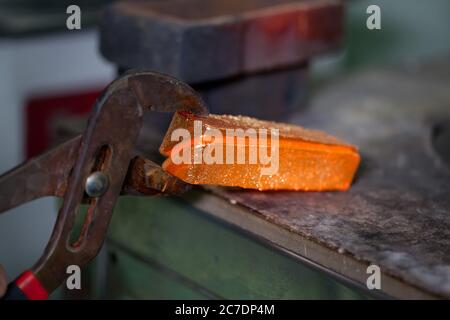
[47, 70]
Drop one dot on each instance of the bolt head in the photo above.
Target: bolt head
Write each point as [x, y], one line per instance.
[96, 184]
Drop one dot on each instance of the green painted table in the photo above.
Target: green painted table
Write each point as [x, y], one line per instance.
[165, 248]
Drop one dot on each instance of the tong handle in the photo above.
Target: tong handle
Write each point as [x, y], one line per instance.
[25, 287]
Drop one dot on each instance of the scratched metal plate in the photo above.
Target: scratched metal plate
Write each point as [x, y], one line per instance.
[397, 213]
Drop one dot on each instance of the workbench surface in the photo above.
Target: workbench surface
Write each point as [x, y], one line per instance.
[397, 213]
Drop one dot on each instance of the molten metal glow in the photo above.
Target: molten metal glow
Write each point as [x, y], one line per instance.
[307, 159]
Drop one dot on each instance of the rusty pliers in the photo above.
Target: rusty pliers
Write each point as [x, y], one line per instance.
[95, 168]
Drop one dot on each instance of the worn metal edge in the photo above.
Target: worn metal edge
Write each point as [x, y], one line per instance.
[341, 266]
[275, 8]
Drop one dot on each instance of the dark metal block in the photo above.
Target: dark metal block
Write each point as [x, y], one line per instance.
[271, 95]
[199, 41]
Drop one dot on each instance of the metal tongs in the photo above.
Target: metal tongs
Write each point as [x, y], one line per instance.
[95, 168]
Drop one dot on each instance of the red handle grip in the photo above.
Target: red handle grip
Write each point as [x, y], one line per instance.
[26, 287]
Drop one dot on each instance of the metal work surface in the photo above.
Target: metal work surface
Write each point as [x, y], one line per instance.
[222, 40]
[397, 213]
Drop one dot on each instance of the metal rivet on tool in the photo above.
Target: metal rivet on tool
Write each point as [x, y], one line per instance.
[96, 184]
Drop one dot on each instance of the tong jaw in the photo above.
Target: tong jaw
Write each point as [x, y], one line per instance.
[107, 147]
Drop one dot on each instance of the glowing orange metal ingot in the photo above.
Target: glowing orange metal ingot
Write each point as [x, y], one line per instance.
[250, 153]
